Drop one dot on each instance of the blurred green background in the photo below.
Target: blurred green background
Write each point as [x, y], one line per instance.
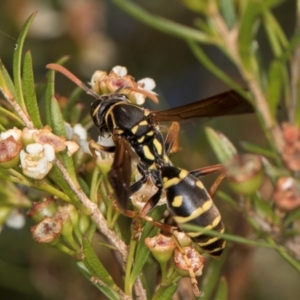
[97, 35]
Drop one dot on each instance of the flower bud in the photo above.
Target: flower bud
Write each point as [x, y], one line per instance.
[244, 173]
[161, 247]
[287, 194]
[9, 152]
[290, 133]
[45, 208]
[83, 223]
[291, 156]
[195, 260]
[48, 230]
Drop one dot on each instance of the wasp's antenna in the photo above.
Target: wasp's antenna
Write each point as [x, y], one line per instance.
[9, 36]
[72, 77]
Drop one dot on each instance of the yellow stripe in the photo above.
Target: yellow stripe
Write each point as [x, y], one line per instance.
[158, 146]
[141, 139]
[199, 233]
[177, 201]
[147, 153]
[134, 129]
[199, 184]
[151, 132]
[112, 115]
[183, 174]
[170, 182]
[142, 123]
[96, 110]
[210, 241]
[218, 249]
[196, 213]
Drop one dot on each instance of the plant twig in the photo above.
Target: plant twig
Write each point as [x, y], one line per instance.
[96, 214]
[230, 38]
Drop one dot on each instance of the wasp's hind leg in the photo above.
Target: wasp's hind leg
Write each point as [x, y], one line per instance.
[201, 172]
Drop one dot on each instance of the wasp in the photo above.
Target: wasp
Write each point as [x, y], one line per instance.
[136, 129]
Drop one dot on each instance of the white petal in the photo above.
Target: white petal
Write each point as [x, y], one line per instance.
[15, 133]
[69, 130]
[22, 158]
[34, 148]
[49, 152]
[72, 147]
[119, 70]
[80, 131]
[147, 83]
[84, 144]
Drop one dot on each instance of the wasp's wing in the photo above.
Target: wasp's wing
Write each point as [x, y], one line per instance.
[120, 174]
[172, 139]
[228, 103]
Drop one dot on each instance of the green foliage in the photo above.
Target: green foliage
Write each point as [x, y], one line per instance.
[84, 203]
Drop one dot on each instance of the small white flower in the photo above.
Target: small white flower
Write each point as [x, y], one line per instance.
[36, 162]
[15, 220]
[79, 134]
[103, 83]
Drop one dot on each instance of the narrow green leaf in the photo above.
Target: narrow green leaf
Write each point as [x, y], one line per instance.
[292, 217]
[291, 47]
[250, 147]
[55, 120]
[222, 291]
[17, 61]
[106, 290]
[162, 24]
[10, 115]
[67, 112]
[265, 210]
[94, 265]
[165, 292]
[6, 84]
[212, 276]
[29, 92]
[203, 58]
[229, 237]
[248, 28]
[275, 86]
[222, 147]
[143, 252]
[228, 11]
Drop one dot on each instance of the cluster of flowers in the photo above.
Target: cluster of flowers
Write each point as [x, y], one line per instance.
[33, 149]
[117, 79]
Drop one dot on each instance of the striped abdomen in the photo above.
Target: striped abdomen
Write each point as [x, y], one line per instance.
[190, 203]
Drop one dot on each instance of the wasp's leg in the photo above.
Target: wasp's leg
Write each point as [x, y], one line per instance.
[201, 172]
[204, 171]
[93, 146]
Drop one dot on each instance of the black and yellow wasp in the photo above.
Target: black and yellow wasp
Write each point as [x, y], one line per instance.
[134, 128]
